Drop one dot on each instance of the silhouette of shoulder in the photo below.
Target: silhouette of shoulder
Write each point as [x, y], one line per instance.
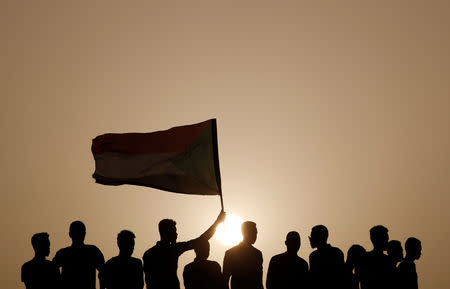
[204, 274]
[244, 264]
[204, 264]
[162, 249]
[377, 263]
[118, 263]
[407, 275]
[40, 274]
[118, 260]
[161, 263]
[78, 265]
[287, 271]
[326, 266]
[123, 272]
[86, 252]
[326, 255]
[285, 258]
[242, 255]
[239, 249]
[376, 271]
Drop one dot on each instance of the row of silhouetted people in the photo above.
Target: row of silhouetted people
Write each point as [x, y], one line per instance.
[75, 266]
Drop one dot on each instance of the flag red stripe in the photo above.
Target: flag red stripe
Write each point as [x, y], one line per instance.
[176, 139]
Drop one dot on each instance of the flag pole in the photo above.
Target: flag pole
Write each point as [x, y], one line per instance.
[216, 159]
[221, 201]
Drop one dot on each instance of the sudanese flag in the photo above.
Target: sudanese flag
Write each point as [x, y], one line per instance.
[182, 159]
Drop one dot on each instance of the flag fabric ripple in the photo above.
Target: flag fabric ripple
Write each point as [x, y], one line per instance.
[182, 159]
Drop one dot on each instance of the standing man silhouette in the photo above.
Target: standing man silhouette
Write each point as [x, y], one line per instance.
[326, 264]
[161, 261]
[407, 268]
[79, 261]
[288, 270]
[352, 266]
[395, 253]
[40, 273]
[243, 262]
[203, 273]
[124, 271]
[378, 268]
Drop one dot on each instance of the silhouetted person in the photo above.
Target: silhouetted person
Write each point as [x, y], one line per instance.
[326, 264]
[377, 269]
[124, 271]
[395, 253]
[203, 273]
[407, 268]
[40, 273]
[288, 270]
[355, 256]
[243, 262]
[161, 261]
[79, 261]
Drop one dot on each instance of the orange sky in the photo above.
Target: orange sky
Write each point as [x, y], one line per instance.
[329, 112]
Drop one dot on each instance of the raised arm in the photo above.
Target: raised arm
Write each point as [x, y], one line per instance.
[211, 230]
[182, 247]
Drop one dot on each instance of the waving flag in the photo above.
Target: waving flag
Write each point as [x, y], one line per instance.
[182, 159]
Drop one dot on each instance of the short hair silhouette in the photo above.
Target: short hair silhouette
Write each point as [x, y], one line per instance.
[293, 241]
[319, 235]
[243, 262]
[395, 250]
[77, 231]
[41, 243]
[355, 255]
[202, 249]
[166, 228]
[249, 232]
[40, 273]
[413, 247]
[379, 236]
[125, 242]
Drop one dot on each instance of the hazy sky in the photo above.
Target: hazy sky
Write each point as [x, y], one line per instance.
[329, 112]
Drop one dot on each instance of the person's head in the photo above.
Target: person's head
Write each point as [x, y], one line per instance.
[413, 248]
[41, 244]
[395, 250]
[168, 230]
[77, 231]
[249, 232]
[292, 242]
[202, 249]
[379, 237]
[355, 255]
[319, 236]
[125, 242]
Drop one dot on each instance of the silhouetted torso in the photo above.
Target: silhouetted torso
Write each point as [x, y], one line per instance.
[161, 263]
[351, 280]
[40, 274]
[326, 267]
[287, 271]
[123, 273]
[78, 265]
[407, 275]
[244, 264]
[203, 274]
[377, 271]
[394, 278]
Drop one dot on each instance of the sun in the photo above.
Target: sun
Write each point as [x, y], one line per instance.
[229, 232]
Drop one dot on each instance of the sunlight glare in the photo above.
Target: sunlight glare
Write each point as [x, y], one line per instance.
[229, 232]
